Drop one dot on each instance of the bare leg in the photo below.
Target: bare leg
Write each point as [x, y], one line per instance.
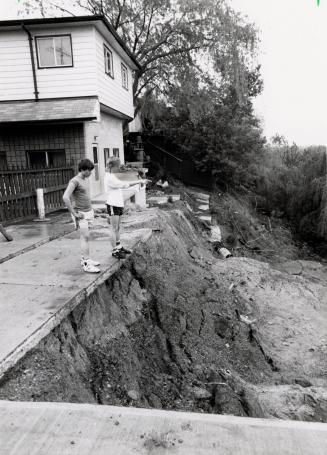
[115, 223]
[85, 247]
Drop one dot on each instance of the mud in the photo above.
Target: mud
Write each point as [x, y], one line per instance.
[176, 328]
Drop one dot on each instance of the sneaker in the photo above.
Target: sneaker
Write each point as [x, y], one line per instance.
[118, 254]
[124, 250]
[87, 267]
[90, 261]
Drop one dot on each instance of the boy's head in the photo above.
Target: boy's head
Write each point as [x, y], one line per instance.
[113, 163]
[85, 167]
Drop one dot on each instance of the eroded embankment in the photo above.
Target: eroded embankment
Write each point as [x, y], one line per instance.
[166, 331]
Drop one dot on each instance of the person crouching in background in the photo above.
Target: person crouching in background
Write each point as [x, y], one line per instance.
[113, 187]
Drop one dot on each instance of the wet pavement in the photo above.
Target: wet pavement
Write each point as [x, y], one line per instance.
[30, 234]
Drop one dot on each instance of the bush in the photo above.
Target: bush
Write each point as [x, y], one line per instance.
[292, 184]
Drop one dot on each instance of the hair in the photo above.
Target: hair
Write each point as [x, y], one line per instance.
[85, 165]
[113, 161]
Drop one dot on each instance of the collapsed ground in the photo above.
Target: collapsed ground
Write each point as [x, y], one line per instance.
[178, 328]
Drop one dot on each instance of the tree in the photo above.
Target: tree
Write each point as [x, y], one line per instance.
[167, 36]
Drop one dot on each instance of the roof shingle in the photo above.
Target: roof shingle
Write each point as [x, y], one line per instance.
[48, 110]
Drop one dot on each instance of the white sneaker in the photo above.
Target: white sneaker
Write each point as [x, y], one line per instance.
[90, 261]
[87, 267]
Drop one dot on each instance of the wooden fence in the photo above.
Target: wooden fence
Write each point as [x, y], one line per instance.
[17, 191]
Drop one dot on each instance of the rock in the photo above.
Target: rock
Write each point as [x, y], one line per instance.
[201, 394]
[133, 395]
[303, 382]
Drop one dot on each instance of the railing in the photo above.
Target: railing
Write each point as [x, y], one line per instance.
[183, 169]
[17, 190]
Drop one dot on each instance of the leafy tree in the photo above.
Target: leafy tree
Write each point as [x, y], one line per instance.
[167, 36]
[223, 137]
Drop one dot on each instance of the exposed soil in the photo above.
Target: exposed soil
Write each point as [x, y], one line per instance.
[178, 328]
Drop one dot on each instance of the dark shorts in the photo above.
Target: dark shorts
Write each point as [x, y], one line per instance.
[112, 210]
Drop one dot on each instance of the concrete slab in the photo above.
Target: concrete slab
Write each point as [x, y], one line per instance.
[204, 207]
[29, 235]
[40, 287]
[205, 218]
[199, 195]
[163, 199]
[83, 429]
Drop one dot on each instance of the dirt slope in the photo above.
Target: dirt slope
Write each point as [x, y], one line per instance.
[177, 328]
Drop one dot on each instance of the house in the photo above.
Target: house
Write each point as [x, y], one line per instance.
[65, 92]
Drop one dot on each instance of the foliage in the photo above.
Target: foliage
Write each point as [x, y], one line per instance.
[168, 36]
[222, 136]
[293, 185]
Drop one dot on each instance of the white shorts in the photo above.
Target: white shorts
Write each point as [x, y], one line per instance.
[86, 221]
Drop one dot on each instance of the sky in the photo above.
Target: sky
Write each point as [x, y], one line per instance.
[293, 55]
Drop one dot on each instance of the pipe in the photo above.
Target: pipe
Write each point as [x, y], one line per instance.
[30, 40]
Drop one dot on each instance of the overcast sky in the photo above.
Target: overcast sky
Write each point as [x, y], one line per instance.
[294, 67]
[294, 64]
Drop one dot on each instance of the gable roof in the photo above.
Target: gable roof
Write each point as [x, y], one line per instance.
[99, 21]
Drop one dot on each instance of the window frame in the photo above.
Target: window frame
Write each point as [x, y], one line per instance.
[106, 155]
[95, 152]
[40, 37]
[111, 72]
[3, 160]
[116, 152]
[47, 153]
[124, 68]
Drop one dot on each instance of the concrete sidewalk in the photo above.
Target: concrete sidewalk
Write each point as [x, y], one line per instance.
[41, 286]
[84, 429]
[29, 234]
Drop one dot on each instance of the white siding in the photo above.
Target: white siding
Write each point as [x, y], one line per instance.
[105, 134]
[86, 77]
[111, 91]
[16, 78]
[111, 136]
[91, 137]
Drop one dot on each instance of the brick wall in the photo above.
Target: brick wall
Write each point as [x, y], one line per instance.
[16, 141]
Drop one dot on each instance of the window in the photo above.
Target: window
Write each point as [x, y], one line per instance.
[115, 152]
[54, 51]
[96, 162]
[124, 76]
[3, 160]
[46, 158]
[106, 153]
[108, 61]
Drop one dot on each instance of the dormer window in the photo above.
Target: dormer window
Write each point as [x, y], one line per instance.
[54, 51]
[108, 61]
[124, 76]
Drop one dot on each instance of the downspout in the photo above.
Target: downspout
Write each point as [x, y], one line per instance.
[30, 40]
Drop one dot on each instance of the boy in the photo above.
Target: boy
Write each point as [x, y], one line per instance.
[113, 187]
[78, 201]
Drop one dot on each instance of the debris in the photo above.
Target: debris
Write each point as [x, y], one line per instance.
[303, 382]
[246, 320]
[7, 236]
[215, 235]
[201, 394]
[133, 395]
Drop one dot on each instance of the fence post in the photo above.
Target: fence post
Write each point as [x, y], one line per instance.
[40, 205]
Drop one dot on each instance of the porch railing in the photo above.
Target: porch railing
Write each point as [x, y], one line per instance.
[183, 169]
